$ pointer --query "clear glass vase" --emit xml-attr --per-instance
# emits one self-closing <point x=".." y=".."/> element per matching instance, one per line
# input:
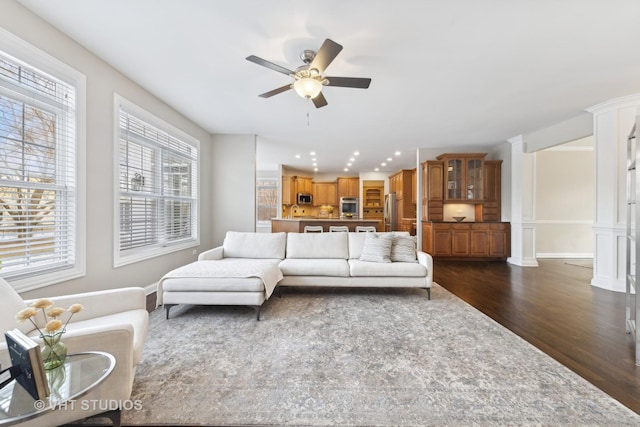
<point x="54" y="351"/>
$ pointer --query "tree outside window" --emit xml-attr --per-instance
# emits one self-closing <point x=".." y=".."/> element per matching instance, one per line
<point x="267" y="199"/>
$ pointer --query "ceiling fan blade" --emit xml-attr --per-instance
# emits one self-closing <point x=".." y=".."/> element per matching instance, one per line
<point x="325" y="55"/>
<point x="319" y="101"/>
<point x="275" y="91"/>
<point x="265" y="63"/>
<point x="356" y="82"/>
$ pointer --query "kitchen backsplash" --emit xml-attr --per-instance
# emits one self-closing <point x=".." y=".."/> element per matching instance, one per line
<point x="317" y="211"/>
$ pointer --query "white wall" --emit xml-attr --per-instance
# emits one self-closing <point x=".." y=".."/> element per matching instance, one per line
<point x="102" y="82"/>
<point x="233" y="167"/>
<point x="572" y="129"/>
<point x="565" y="197"/>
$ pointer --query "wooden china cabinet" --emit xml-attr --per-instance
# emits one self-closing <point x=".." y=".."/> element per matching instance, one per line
<point x="469" y="182"/>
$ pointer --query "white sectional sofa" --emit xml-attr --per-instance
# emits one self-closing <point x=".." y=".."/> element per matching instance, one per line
<point x="300" y="259"/>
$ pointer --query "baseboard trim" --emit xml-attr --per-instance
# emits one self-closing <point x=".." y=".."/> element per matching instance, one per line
<point x="151" y="289"/>
<point x="582" y="255"/>
<point x="522" y="262"/>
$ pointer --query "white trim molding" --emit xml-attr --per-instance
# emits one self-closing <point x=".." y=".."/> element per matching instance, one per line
<point x="523" y="191"/>
<point x="612" y="121"/>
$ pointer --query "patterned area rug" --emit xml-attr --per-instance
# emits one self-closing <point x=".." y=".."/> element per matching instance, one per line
<point x="356" y="357"/>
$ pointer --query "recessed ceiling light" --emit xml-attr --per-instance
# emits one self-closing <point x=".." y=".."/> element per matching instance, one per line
<point x="297" y="156"/>
<point x="376" y="169"/>
<point x="346" y="169"/>
<point x="389" y="159"/>
<point x="383" y="164"/>
<point x="397" y="153"/>
<point x="315" y="169"/>
<point x="348" y="164"/>
<point x="356" y="153"/>
<point x="315" y="164"/>
<point x="314" y="160"/>
<point x="313" y="153"/>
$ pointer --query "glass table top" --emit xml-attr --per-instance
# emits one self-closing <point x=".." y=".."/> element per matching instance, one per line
<point x="79" y="374"/>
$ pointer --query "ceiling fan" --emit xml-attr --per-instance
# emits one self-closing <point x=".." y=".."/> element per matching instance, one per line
<point x="308" y="77"/>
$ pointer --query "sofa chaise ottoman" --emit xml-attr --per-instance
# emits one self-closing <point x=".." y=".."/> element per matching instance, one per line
<point x="243" y="271"/>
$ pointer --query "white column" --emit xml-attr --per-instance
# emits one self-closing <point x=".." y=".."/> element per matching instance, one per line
<point x="612" y="122"/>
<point x="523" y="226"/>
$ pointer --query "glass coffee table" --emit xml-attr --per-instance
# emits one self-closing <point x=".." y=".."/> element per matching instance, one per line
<point x="80" y="373"/>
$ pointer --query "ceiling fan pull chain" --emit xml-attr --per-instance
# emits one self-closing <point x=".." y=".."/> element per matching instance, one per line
<point x="308" y="102"/>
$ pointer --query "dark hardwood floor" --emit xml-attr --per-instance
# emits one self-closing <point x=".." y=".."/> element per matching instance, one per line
<point x="555" y="308"/>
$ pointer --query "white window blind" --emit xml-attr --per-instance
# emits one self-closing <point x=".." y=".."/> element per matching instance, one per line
<point x="38" y="191"/>
<point x="158" y="177"/>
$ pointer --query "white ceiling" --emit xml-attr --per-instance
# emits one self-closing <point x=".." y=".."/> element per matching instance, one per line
<point x="444" y="74"/>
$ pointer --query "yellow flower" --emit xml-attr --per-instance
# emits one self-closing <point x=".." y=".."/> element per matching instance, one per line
<point x="53" y="325"/>
<point x="42" y="303"/>
<point x="25" y="314"/>
<point x="55" y="312"/>
<point x="75" y="308"/>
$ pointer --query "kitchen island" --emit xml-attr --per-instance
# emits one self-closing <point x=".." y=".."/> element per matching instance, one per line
<point x="296" y="225"/>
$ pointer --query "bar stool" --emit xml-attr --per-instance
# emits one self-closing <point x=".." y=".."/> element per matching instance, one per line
<point x="313" y="229"/>
<point x="338" y="228"/>
<point x="360" y="228"/>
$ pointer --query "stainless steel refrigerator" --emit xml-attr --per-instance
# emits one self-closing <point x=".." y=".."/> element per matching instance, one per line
<point x="390" y="212"/>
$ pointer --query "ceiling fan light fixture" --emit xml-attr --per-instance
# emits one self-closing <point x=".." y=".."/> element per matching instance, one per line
<point x="307" y="87"/>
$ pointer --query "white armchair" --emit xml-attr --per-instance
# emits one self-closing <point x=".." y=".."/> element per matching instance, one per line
<point x="113" y="321"/>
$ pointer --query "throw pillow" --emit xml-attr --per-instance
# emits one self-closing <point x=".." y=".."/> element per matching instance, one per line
<point x="403" y="249"/>
<point x="377" y="247"/>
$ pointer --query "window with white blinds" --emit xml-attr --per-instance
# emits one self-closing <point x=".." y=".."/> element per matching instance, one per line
<point x="157" y="186"/>
<point x="40" y="228"/>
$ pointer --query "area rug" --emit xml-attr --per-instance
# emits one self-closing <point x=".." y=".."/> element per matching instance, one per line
<point x="334" y="356"/>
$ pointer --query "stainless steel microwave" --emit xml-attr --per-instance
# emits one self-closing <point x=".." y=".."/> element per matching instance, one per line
<point x="304" y="199"/>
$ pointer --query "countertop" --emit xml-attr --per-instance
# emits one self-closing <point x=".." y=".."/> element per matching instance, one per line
<point x="297" y="224"/>
<point x="308" y="218"/>
<point x="466" y="222"/>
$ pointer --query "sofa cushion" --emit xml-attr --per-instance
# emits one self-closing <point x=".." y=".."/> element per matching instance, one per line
<point x="377" y="247"/>
<point x="254" y="245"/>
<point x="356" y="242"/>
<point x="317" y="245"/>
<point x="315" y="267"/>
<point x="359" y="268"/>
<point x="403" y="249"/>
<point x="213" y="284"/>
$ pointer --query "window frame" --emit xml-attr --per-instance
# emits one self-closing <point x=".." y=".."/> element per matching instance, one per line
<point x="130" y="256"/>
<point x="40" y="60"/>
<point x="265" y="176"/>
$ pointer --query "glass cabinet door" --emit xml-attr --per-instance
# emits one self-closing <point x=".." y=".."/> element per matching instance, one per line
<point x="454" y="179"/>
<point x="474" y="179"/>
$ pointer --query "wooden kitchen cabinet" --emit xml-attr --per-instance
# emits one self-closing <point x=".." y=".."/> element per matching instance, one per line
<point x="288" y="191"/>
<point x="491" y="203"/>
<point x="303" y="184"/>
<point x="433" y="190"/>
<point x="292" y="185"/>
<point x="491" y="240"/>
<point x="373" y="199"/>
<point x="400" y="183"/>
<point x="408" y="225"/>
<point x="471" y="240"/>
<point x="414" y="185"/>
<point x="463" y="176"/>
<point x="325" y="193"/>
<point x="348" y="187"/>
